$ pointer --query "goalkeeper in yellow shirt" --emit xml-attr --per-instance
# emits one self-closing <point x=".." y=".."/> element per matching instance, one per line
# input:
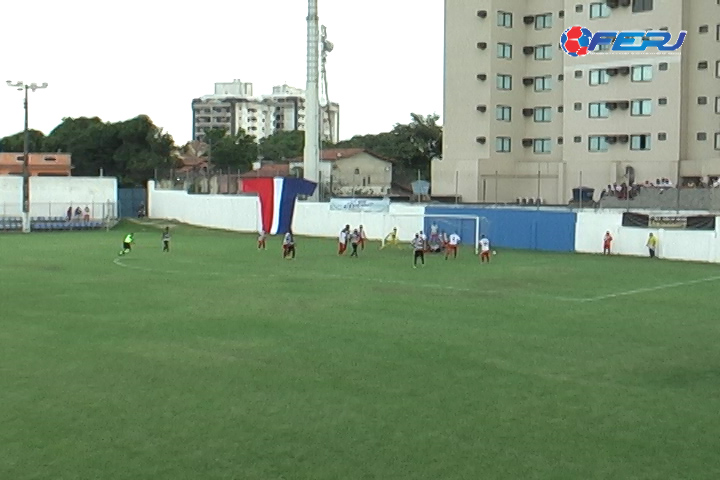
<point x="391" y="239"/>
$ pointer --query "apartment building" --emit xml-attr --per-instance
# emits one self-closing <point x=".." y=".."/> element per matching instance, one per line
<point x="233" y="106"/>
<point x="524" y="120"/>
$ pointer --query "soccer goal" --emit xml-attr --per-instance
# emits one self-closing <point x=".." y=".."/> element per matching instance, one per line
<point x="468" y="227"/>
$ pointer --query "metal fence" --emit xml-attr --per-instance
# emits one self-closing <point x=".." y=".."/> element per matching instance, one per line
<point x="100" y="211"/>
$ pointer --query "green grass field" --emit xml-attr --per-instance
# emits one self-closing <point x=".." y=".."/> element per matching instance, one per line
<point x="221" y="362"/>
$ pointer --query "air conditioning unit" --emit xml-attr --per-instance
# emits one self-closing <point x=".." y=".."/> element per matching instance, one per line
<point x="624" y="138"/>
<point x="527" y="81"/>
<point x="612" y="71"/>
<point x="482" y="45"/>
<point x="481" y="108"/>
<point x="527" y="142"/>
<point x="480" y="140"/>
<point x="611" y="105"/>
<point x="482" y="77"/>
<point x="611" y="139"/>
<point x="612" y="3"/>
<point x="528" y="19"/>
<point x="624" y="105"/>
<point x="624" y="70"/>
<point x="625" y="3"/>
<point x="482" y="13"/>
<point x="527" y="112"/>
<point x="528" y="50"/>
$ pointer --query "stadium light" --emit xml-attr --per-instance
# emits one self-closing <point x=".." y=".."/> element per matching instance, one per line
<point x="22" y="86"/>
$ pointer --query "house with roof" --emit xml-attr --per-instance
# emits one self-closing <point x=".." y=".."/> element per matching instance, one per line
<point x="343" y="172"/>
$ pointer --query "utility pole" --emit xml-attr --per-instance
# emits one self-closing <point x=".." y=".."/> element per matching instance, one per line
<point x="22" y="86"/>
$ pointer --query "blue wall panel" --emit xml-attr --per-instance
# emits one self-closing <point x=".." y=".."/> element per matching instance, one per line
<point x="510" y="228"/>
<point x="129" y="201"/>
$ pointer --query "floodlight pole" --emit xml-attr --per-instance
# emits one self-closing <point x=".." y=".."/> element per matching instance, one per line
<point x="311" y="155"/>
<point x="21" y="86"/>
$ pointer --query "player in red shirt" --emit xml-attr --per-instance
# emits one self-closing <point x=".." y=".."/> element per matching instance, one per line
<point x="343" y="239"/>
<point x="363" y="237"/>
<point x="607" y="243"/>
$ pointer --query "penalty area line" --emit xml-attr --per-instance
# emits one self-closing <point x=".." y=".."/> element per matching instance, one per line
<point x="637" y="291"/>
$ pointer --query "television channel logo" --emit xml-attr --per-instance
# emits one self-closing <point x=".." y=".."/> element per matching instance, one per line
<point x="578" y="41"/>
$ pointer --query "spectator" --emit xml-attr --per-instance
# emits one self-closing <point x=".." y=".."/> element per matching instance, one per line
<point x="78" y="214"/>
<point x="86" y="217"/>
<point x="69" y="213"/>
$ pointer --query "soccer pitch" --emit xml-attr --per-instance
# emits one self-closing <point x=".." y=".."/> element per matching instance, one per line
<point x="218" y="361"/>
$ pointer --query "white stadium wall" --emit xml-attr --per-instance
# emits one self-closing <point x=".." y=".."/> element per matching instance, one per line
<point x="51" y="196"/>
<point x="689" y="245"/>
<point x="241" y="213"/>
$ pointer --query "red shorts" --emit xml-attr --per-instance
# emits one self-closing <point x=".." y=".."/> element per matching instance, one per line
<point x="606" y="246"/>
<point x="485" y="253"/>
<point x="451" y="248"/>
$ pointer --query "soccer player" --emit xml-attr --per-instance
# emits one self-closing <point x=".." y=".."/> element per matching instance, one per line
<point x="289" y="245"/>
<point x="355" y="240"/>
<point x="607" y="242"/>
<point x="261" y="239"/>
<point x="343" y="239"/>
<point x="166" y="240"/>
<point x="434" y="232"/>
<point x="484" y="249"/>
<point x="391" y="239"/>
<point x="127" y="243"/>
<point x="419" y="250"/>
<point x="452" y="246"/>
<point x="652" y="245"/>
<point x="363" y="237"/>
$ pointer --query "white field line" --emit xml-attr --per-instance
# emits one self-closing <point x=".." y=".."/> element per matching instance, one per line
<point x="666" y="286"/>
<point x="432" y="286"/>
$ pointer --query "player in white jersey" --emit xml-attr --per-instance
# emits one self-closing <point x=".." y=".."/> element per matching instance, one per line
<point x="484" y="249"/>
<point x="363" y="237"/>
<point x="418" y="245"/>
<point x="452" y="246"/>
<point x="261" y="239"/>
<point x="434" y="232"/>
<point x="289" y="245"/>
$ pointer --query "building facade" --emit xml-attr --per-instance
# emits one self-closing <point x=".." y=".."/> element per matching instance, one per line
<point x="39" y="164"/>
<point x="233" y="107"/>
<point x="524" y="120"/>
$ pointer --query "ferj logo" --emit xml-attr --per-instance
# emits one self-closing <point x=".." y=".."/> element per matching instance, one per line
<point x="578" y="41"/>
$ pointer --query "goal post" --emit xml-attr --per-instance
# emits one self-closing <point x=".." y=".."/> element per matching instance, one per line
<point x="468" y="227"/>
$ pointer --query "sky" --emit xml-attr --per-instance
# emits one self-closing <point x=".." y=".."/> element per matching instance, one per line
<point x="153" y="57"/>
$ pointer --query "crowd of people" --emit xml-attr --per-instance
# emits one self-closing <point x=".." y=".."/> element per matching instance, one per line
<point x="623" y="190"/>
<point x="78" y="214"/>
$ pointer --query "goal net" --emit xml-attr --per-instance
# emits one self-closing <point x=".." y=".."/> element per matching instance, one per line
<point x="468" y="227"/>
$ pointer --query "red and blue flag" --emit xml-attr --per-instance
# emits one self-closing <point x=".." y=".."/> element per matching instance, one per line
<point x="277" y="200"/>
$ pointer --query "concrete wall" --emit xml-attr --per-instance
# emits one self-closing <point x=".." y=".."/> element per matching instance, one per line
<point x="51" y="196"/>
<point x="241" y="213"/>
<point x="691" y="245"/>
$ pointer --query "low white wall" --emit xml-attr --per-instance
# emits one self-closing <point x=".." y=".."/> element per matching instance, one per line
<point x="51" y="196"/>
<point x="698" y="246"/>
<point x="241" y="213"/>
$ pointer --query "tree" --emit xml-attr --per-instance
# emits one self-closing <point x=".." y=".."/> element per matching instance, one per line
<point x="16" y="143"/>
<point x="283" y="145"/>
<point x="231" y="151"/>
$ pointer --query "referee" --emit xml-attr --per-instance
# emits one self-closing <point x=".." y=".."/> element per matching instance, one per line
<point x="418" y="244"/>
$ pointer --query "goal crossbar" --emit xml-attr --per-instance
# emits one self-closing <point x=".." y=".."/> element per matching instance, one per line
<point x="475" y="218"/>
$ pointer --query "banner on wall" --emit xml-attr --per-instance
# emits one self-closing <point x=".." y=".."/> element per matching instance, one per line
<point x="360" y="205"/>
<point x="697" y="222"/>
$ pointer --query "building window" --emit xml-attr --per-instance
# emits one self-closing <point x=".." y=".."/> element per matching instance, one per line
<point x="541" y="145"/>
<point x="717" y="141"/>
<point x="543" y="21"/>
<point x="663" y="66"/>
<point x="701" y="136"/>
<point x="577" y="106"/>
<point x="717" y="69"/>
<point x="543" y="52"/>
<point x="642" y="73"/>
<point x="598" y="110"/>
<point x="662" y="136"/>
<point x="662" y="101"/>
<point x="702" y="100"/>
<point x="502" y="144"/>
<point x="642" y="5"/>
<point x="578" y="73"/>
<point x="561" y="109"/>
<point x="599" y="77"/>
<point x="717" y="104"/>
<point x="543" y="84"/>
<point x="641" y="108"/>
<point x="542" y="114"/>
<point x="717" y="33"/>
<point x="578" y="8"/>
<point x="503" y="113"/>
<point x="704" y="29"/>
<point x="599" y="10"/>
<point x="639" y="142"/>
<point x="597" y="143"/>
<point x="702" y="65"/>
<point x="504" y="19"/>
<point x="504" y="50"/>
<point x="504" y="82"/>
<point x="577" y="139"/>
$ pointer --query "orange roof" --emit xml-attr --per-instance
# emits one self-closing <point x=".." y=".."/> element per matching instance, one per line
<point x="270" y="170"/>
